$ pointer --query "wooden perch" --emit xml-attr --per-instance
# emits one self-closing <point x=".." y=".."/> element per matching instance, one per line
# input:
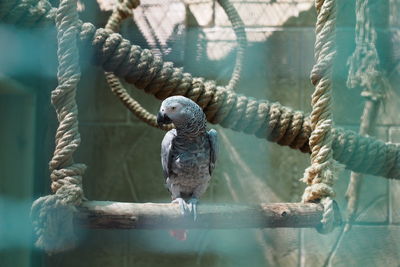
<point x="119" y="215"/>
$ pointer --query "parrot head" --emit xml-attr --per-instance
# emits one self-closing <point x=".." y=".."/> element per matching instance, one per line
<point x="180" y="111"/>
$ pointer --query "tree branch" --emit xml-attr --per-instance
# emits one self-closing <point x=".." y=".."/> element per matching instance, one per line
<point x="119" y="215"/>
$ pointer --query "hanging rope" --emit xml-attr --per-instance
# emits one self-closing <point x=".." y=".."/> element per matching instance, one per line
<point x="241" y="39"/>
<point x="53" y="215"/>
<point x="321" y="174"/>
<point x="364" y="72"/>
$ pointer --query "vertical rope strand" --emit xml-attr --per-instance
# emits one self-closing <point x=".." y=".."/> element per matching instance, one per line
<point x="320" y="175"/>
<point x="241" y="40"/>
<point x="53" y="215"/>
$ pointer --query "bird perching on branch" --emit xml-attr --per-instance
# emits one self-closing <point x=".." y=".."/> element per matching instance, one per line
<point x="188" y="153"/>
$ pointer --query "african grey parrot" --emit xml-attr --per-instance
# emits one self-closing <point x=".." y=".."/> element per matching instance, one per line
<point x="188" y="152"/>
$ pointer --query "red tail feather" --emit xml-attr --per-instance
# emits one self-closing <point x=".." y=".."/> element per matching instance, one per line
<point x="180" y="234"/>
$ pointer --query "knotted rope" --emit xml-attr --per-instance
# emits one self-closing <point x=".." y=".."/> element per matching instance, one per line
<point x="321" y="174"/>
<point x="53" y="215"/>
<point x="364" y="72"/>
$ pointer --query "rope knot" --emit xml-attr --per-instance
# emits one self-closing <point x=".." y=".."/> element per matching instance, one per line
<point x="316" y="192"/>
<point x="71" y="194"/>
<point x="71" y="175"/>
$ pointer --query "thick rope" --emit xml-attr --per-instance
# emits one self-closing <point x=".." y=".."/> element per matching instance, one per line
<point x="364" y="72"/>
<point x="321" y="174"/>
<point x="272" y="121"/>
<point x="53" y="215"/>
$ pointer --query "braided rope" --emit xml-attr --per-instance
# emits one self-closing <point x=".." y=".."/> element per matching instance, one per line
<point x="259" y="117"/>
<point x="53" y="215"/>
<point x="320" y="175"/>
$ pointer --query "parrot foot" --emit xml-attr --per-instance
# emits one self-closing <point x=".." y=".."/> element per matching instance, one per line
<point x="188" y="208"/>
<point x="192" y="206"/>
<point x="182" y="205"/>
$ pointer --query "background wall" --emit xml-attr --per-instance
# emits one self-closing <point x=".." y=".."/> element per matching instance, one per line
<point x="122" y="153"/>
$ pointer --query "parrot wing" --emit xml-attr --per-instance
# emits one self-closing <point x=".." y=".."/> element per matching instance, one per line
<point x="166" y="155"/>
<point x="214" y="148"/>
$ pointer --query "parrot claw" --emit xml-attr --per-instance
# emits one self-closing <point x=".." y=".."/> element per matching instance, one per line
<point x="192" y="205"/>
<point x="185" y="210"/>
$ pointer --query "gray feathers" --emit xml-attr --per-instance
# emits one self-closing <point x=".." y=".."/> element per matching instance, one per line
<point x="166" y="148"/>
<point x="189" y="152"/>
<point x="214" y="148"/>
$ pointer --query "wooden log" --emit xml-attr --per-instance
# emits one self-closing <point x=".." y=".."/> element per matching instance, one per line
<point x="120" y="215"/>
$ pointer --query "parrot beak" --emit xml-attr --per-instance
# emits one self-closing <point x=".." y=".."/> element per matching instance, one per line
<point x="162" y="119"/>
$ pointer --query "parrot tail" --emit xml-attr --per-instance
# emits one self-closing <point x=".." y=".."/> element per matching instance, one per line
<point x="180" y="234"/>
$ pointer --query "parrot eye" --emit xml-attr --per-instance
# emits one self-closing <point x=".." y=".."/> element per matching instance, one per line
<point x="173" y="108"/>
